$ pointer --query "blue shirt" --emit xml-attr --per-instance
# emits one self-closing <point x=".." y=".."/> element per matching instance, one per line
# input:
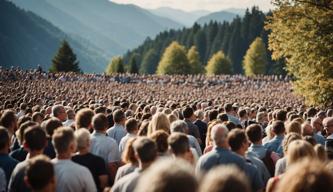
<point x="319" y="139"/>
<point x="219" y="156"/>
<point x="105" y="147"/>
<point x="275" y="145"/>
<point x="117" y="132"/>
<point x="8" y="164"/>
<point x="234" y="119"/>
<point x="257" y="182"/>
<point x="259" y="150"/>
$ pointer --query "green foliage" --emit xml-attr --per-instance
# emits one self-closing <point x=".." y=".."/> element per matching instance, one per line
<point x="302" y="32"/>
<point x="219" y="64"/>
<point x="133" y="68"/>
<point x="255" y="61"/>
<point x="65" y="60"/>
<point x="116" y="66"/>
<point x="174" y="60"/>
<point x="194" y="60"/>
<point x="149" y="62"/>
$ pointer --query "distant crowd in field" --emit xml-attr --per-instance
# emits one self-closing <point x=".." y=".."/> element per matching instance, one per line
<point x="146" y="133"/>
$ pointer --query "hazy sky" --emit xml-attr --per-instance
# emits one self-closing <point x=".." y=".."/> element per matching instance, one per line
<point x="190" y="5"/>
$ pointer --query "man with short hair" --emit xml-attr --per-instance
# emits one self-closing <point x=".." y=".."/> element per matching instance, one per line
<point x="117" y="132"/>
<point x="132" y="130"/>
<point x="59" y="112"/>
<point x="180" y="147"/>
<point x="94" y="163"/>
<point x="193" y="130"/>
<point x="220" y="155"/>
<point x="70" y="118"/>
<point x="40" y="174"/>
<point x="255" y="169"/>
<point x="9" y="121"/>
<point x="317" y="126"/>
<point x="146" y="152"/>
<point x="34" y="142"/>
<point x="328" y="126"/>
<point x="243" y="117"/>
<point x="7" y="163"/>
<point x="199" y="114"/>
<point x="83" y="118"/>
<point x="70" y="176"/>
<point x="229" y="110"/>
<point x="104" y="146"/>
<point x="275" y="144"/>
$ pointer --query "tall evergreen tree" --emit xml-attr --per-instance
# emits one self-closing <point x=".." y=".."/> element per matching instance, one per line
<point x="219" y="64"/>
<point x="174" y="60"/>
<point x="133" y="68"/>
<point x="65" y="60"/>
<point x="194" y="60"/>
<point x="255" y="61"/>
<point x="149" y="62"/>
<point x="115" y="66"/>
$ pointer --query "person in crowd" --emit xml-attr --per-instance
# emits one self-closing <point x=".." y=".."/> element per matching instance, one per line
<point x="59" y="111"/>
<point x="180" y="147"/>
<point x="70" y="118"/>
<point x="199" y="114"/>
<point x="190" y="118"/>
<point x="70" y="176"/>
<point x="94" y="163"/>
<point x="160" y="137"/>
<point x="275" y="144"/>
<point x="83" y="119"/>
<point x="132" y="128"/>
<point x="128" y="157"/>
<point x="317" y="126"/>
<point x="118" y="131"/>
<point x="34" y="143"/>
<point x="50" y="126"/>
<point x="146" y="152"/>
<point x="231" y="114"/>
<point x="159" y="121"/>
<point x="9" y="121"/>
<point x="328" y="126"/>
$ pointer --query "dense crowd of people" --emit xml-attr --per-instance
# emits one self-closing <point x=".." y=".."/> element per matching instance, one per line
<point x="145" y="133"/>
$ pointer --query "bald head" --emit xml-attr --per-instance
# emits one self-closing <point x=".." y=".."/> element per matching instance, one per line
<point x="328" y="125"/>
<point x="307" y="129"/>
<point x="219" y="135"/>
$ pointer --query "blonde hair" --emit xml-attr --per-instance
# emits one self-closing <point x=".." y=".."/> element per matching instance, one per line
<point x="321" y="153"/>
<point x="172" y="118"/>
<point x="159" y="122"/>
<point x="128" y="155"/>
<point x="294" y="127"/>
<point x="82" y="137"/>
<point x="288" y="139"/>
<point x="299" y="149"/>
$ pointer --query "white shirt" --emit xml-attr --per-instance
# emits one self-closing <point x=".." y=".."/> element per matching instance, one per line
<point x="72" y="177"/>
<point x="105" y="147"/>
<point x="123" y="142"/>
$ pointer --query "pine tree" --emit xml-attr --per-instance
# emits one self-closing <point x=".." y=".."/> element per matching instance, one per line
<point x="65" y="60"/>
<point x="193" y="58"/>
<point x="115" y="66"/>
<point x="133" y="68"/>
<point x="174" y="60"/>
<point x="219" y="64"/>
<point x="149" y="62"/>
<point x="255" y="61"/>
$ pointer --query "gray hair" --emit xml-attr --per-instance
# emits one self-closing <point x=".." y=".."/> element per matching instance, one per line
<point x="56" y="110"/>
<point x="82" y="137"/>
<point x="216" y="137"/>
<point x="178" y="126"/>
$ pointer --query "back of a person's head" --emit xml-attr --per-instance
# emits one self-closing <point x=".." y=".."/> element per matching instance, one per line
<point x="188" y="112"/>
<point x="236" y="138"/>
<point x="128" y="155"/>
<point x="131" y="125"/>
<point x="40" y="173"/>
<point x="218" y="134"/>
<point x="56" y="110"/>
<point x="118" y="116"/>
<point x="160" y="137"/>
<point x="242" y="113"/>
<point x="298" y="150"/>
<point x="288" y="139"/>
<point x="178" y="126"/>
<point x="254" y="132"/>
<point x="51" y="125"/>
<point x="281" y="115"/>
<point x="145" y="149"/>
<point x="35" y="138"/>
<point x="278" y="127"/>
<point x="168" y="175"/>
<point x="213" y="114"/>
<point x="83" y="118"/>
<point x="8" y="117"/>
<point x="223" y="117"/>
<point x="82" y="138"/>
<point x="225" y="179"/>
<point x="100" y="122"/>
<point x="228" y="107"/>
<point x="295" y="127"/>
<point x="159" y="122"/>
<point x="307" y="175"/>
<point x="311" y="112"/>
<point x="179" y="143"/>
<point x="4" y="138"/>
<point x="62" y="138"/>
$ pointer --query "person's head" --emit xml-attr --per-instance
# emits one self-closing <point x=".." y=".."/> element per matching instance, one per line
<point x="311" y="112"/>
<point x="281" y="115"/>
<point x="37" y="117"/>
<point x="329" y="113"/>
<point x="9" y="121"/>
<point x="213" y="115"/>
<point x="294" y="127"/>
<point x="159" y="122"/>
<point x="179" y="144"/>
<point x="288" y="139"/>
<point x="168" y="175"/>
<point x="160" y="137"/>
<point x="262" y="118"/>
<point x="278" y="127"/>
<point x="320" y="152"/>
<point x="242" y="114"/>
<point x="100" y="122"/>
<point x="254" y="133"/>
<point x="35" y="139"/>
<point x="307" y="129"/>
<point x="51" y="124"/>
<point x="82" y="137"/>
<point x="23" y="127"/>
<point x="317" y="124"/>
<point x="225" y="179"/>
<point x="328" y="125"/>
<point x="64" y="142"/>
<point x="298" y="150"/>
<point x="83" y="118"/>
<point x="70" y="114"/>
<point x="40" y="175"/>
<point x="188" y="113"/>
<point x="131" y="126"/>
<point x="4" y="140"/>
<point x="145" y="150"/>
<point x="172" y="117"/>
<point x="228" y="108"/>
<point x="128" y="155"/>
<point x="179" y="126"/>
<point x="223" y="117"/>
<point x="307" y="175"/>
<point x="199" y="114"/>
<point x="119" y="117"/>
<point x="219" y="135"/>
<point x="238" y="141"/>
<point x="59" y="112"/>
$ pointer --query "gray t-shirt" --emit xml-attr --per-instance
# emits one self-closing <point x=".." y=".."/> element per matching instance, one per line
<point x="16" y="182"/>
<point x="280" y="166"/>
<point x="124" y="170"/>
<point x="127" y="183"/>
<point x="3" y="181"/>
